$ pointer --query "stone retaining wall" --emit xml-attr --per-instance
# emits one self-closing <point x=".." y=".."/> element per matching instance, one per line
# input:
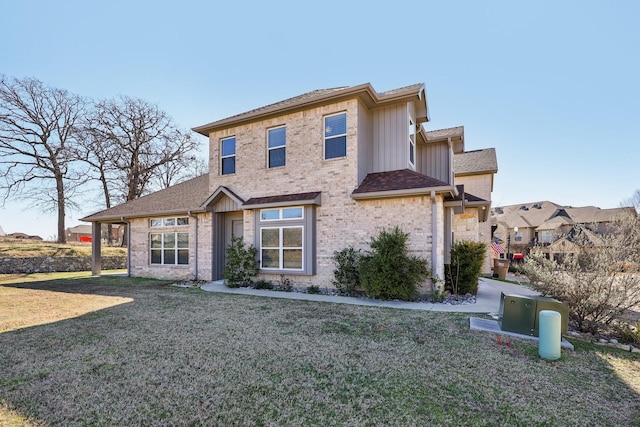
<point x="53" y="264"/>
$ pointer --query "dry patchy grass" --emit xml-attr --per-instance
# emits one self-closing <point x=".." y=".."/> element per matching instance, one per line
<point x="21" y="248"/>
<point x="179" y="356"/>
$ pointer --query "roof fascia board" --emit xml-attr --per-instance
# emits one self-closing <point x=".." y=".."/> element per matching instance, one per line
<point x="222" y="190"/>
<point x="450" y="190"/>
<point x="315" y="201"/>
<point x="155" y="214"/>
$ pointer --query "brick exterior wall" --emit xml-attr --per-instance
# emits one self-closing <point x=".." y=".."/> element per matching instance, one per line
<point x="141" y="256"/>
<point x="466" y="226"/>
<point x="340" y="220"/>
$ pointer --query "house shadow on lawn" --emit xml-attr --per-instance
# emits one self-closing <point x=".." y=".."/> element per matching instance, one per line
<point x="38" y="302"/>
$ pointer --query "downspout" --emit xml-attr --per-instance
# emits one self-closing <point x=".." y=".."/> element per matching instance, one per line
<point x="195" y="274"/>
<point x="128" y="245"/>
<point x="434" y="235"/>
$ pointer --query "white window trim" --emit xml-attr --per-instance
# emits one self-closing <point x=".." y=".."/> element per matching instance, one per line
<point x="325" y="137"/>
<point x="412" y="143"/>
<point x="175" y="249"/>
<point x="277" y="147"/>
<point x="280" y="214"/>
<point x="169" y="217"/>
<point x="235" y="150"/>
<point x="282" y="248"/>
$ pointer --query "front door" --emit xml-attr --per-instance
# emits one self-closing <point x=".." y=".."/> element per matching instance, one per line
<point x="233" y="227"/>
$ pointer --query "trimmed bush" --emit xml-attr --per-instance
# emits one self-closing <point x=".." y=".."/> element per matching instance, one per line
<point x="462" y="275"/>
<point x="241" y="265"/>
<point x="347" y="272"/>
<point x="388" y="271"/>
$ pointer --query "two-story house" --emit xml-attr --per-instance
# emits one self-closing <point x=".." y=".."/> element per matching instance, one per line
<point x="301" y="179"/>
<point x="550" y="227"/>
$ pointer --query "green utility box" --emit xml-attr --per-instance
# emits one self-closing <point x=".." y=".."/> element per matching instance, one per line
<point x="520" y="313"/>
<point x="545" y="303"/>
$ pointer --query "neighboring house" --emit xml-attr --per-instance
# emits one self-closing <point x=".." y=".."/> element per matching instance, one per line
<point x="549" y="226"/>
<point x="299" y="180"/>
<point x="79" y="233"/>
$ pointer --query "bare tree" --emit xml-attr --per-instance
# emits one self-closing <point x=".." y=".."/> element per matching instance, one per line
<point x="601" y="280"/>
<point x="632" y="201"/>
<point x="37" y="136"/>
<point x="140" y="138"/>
<point x="172" y="173"/>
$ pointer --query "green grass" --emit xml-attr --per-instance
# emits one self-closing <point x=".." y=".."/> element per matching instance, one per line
<point x="162" y="355"/>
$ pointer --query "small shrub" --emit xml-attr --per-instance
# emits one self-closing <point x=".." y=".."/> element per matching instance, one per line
<point x="388" y="271"/>
<point x="347" y="273"/>
<point x="286" y="284"/>
<point x="629" y="333"/>
<point x="263" y="284"/>
<point x="241" y="265"/>
<point x="314" y="289"/>
<point x="464" y="271"/>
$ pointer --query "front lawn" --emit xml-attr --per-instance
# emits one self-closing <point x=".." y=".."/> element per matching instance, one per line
<point x="121" y="352"/>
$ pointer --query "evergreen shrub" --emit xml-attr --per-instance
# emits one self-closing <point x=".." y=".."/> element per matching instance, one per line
<point x="388" y="271"/>
<point x="241" y="265"/>
<point x="462" y="275"/>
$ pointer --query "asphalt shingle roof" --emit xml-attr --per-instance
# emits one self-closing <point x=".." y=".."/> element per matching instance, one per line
<point x="184" y="197"/>
<point x="314" y="96"/>
<point x="476" y="161"/>
<point x="438" y="134"/>
<point x="404" y="179"/>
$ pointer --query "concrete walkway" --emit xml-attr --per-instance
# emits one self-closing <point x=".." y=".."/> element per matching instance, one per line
<point x="487" y="299"/>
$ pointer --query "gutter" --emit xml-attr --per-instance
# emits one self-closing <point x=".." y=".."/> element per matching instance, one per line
<point x="128" y="245"/>
<point x="195" y="274"/>
<point x="451" y="189"/>
<point x="434" y="233"/>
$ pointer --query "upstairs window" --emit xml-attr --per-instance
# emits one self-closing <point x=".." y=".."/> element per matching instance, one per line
<point x="412" y="143"/>
<point x="335" y="136"/>
<point x="228" y="156"/>
<point x="276" y="144"/>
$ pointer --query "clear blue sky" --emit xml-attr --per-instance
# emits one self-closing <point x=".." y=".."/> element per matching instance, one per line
<point x="552" y="85"/>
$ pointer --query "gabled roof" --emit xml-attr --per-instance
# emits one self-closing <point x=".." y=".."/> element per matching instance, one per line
<point x="475" y="162"/>
<point x="398" y="183"/>
<point x="317" y="97"/>
<point x="440" y="134"/>
<point x="546" y="214"/>
<point x="454" y="134"/>
<point x="181" y="198"/>
<point x="312" y="198"/>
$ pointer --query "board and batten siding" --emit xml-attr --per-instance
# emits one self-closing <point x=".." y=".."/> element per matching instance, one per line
<point x="365" y="142"/>
<point x="390" y="138"/>
<point x="434" y="160"/>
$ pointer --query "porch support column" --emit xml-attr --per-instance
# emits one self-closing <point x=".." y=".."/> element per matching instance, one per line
<point x="96" y="248"/>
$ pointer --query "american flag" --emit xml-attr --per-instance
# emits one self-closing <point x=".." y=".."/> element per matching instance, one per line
<point x="497" y="249"/>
